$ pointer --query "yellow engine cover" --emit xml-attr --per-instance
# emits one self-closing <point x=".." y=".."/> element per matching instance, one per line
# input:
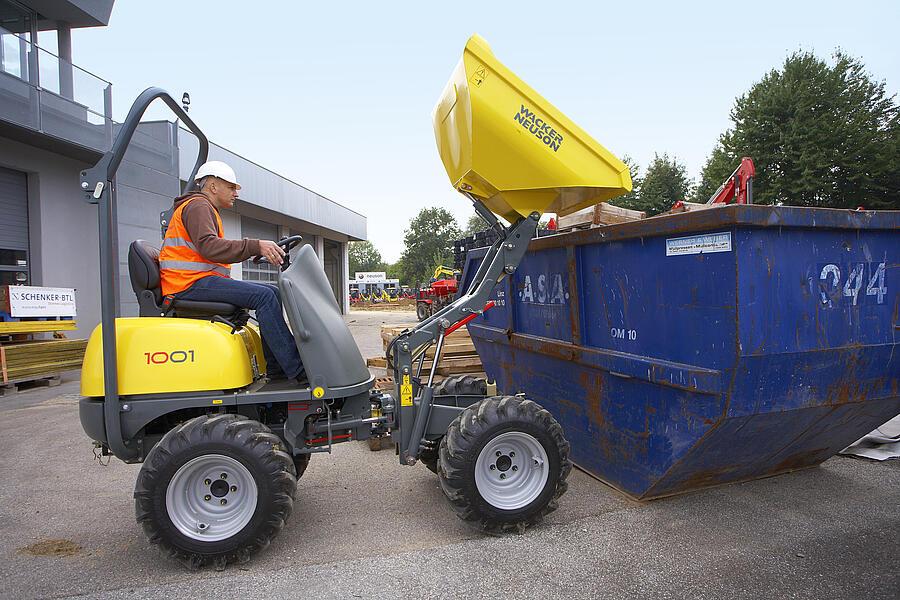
<point x="163" y="355"/>
<point x="504" y="143"/>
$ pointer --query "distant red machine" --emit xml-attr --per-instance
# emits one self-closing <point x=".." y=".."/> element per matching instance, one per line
<point x="438" y="294"/>
<point x="738" y="187"/>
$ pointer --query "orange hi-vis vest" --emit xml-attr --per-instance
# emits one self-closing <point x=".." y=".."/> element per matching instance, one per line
<point x="180" y="265"/>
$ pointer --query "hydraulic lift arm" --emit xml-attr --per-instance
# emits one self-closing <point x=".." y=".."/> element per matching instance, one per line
<point x="414" y="396"/>
<point x="738" y="187"/>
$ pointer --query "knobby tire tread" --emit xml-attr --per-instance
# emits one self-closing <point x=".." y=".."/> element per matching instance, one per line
<point x="266" y="460"/>
<point x="459" y="449"/>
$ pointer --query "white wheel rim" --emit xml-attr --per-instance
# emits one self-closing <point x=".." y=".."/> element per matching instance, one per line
<point x="511" y="470"/>
<point x="211" y="498"/>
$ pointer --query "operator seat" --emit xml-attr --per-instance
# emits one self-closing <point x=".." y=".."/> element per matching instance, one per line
<point x="143" y="268"/>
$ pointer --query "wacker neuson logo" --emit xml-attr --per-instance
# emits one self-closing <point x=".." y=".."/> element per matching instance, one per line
<point x="539" y="127"/>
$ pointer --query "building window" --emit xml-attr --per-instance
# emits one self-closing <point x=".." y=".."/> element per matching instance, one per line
<point x="259" y="230"/>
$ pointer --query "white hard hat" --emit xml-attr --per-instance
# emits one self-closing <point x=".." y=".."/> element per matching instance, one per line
<point x="217" y="168"/>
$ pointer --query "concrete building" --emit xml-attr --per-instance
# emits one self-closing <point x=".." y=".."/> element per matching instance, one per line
<point x="56" y="120"/>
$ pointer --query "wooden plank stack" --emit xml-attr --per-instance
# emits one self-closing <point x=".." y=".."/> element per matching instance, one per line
<point x="457" y="358"/>
<point x="598" y="215"/>
<point x="23" y="360"/>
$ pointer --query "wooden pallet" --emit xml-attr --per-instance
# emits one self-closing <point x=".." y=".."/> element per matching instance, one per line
<point x="600" y="214"/>
<point x="45" y="380"/>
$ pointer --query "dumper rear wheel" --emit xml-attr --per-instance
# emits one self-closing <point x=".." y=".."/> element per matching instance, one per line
<point x="215" y="490"/>
<point x="503" y="463"/>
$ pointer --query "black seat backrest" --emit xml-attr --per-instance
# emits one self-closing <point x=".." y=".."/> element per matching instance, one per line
<point x="143" y="268"/>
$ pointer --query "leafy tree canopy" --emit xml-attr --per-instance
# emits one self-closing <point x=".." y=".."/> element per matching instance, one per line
<point x="665" y="183"/>
<point x="820" y="134"/>
<point x="364" y="256"/>
<point x="429" y="243"/>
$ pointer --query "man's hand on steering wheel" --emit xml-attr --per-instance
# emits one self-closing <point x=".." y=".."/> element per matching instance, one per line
<point x="271" y="251"/>
<point x="276" y="253"/>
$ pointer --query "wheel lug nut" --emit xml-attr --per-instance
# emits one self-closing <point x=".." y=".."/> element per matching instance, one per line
<point x="512" y="454"/>
<point x="493" y="467"/>
<point x="234" y="488"/>
<point x="224" y="475"/>
<point x="208" y="482"/>
<point x="499" y="454"/>
<point x="223" y="501"/>
<point x="515" y="468"/>
<point x="502" y="475"/>
<point x="207" y="497"/>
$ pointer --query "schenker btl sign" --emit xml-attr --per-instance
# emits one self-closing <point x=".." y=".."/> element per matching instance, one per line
<point x="30" y="301"/>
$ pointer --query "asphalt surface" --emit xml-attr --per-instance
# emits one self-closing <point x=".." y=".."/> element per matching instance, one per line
<point x="363" y="526"/>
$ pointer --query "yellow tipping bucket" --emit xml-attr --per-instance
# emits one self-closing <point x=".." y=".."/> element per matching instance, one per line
<point x="502" y="142"/>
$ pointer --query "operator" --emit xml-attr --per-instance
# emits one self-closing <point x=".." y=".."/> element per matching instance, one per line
<point x="194" y="265"/>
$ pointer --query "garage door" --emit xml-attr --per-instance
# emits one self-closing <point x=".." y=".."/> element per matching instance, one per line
<point x="13" y="227"/>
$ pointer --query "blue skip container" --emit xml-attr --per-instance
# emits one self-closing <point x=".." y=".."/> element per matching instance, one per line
<point x="707" y="347"/>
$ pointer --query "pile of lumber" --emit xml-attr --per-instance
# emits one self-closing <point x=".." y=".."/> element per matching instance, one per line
<point x="19" y="328"/>
<point x="33" y="360"/>
<point x="685" y="206"/>
<point x="597" y="216"/>
<point x="458" y="356"/>
<point x="23" y="359"/>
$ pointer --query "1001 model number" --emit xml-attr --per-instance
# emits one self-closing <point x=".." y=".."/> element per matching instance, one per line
<point x="176" y="356"/>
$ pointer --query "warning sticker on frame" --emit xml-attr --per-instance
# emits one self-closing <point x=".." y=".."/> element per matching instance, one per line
<point x="406" y="398"/>
<point x="699" y="244"/>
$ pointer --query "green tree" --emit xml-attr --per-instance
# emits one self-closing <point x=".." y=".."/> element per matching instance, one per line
<point x="429" y="243"/>
<point x="394" y="271"/>
<point x="364" y="256"/>
<point x="820" y="135"/>
<point x="665" y="183"/>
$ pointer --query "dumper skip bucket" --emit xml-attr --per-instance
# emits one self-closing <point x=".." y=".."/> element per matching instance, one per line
<point x="504" y="143"/>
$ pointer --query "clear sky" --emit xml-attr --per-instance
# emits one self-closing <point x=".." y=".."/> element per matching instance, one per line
<point x="338" y="95"/>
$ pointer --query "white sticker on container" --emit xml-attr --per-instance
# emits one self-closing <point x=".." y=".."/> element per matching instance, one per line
<point x="699" y="244"/>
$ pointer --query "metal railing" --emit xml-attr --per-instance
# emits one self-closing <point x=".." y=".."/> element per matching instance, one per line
<point x="44" y="92"/>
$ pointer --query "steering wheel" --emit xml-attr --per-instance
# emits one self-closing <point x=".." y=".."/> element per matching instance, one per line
<point x="286" y="244"/>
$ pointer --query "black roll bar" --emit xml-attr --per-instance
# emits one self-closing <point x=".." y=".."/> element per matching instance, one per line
<point x="98" y="183"/>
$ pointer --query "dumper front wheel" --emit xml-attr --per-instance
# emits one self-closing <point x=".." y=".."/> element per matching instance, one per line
<point x="215" y="490"/>
<point x="503" y="463"/>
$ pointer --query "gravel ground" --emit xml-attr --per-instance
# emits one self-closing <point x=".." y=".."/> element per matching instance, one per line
<point x="363" y="526"/>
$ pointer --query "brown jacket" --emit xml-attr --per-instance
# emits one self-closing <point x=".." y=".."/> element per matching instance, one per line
<point x="199" y="218"/>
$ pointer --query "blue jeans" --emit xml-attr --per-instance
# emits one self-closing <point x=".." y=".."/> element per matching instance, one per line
<point x="279" y="347"/>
